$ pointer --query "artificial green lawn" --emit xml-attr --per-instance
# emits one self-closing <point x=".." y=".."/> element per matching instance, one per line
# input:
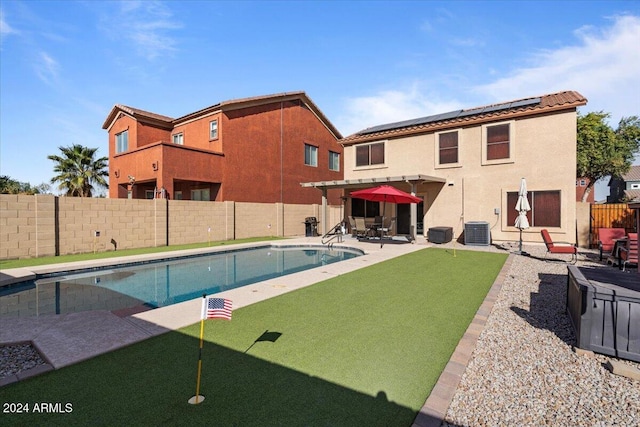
<point x="361" y="349"/>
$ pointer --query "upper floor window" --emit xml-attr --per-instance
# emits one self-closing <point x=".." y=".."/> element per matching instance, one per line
<point x="213" y="129"/>
<point x="310" y="155"/>
<point x="178" y="138"/>
<point x="334" y="161"/>
<point x="122" y="141"/>
<point x="498" y="143"/>
<point x="370" y="154"/>
<point x="448" y="148"/>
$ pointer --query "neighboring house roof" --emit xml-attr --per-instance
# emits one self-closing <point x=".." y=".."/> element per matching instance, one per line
<point x="502" y="111"/>
<point x="633" y="174"/>
<point x="234" y="104"/>
<point x="632" y="195"/>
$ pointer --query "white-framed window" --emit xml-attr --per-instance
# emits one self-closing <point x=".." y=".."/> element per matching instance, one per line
<point x="310" y="155"/>
<point x="178" y="138"/>
<point x="498" y="143"/>
<point x="334" y="161"/>
<point x="447" y="148"/>
<point x="370" y="154"/>
<point x="122" y="141"/>
<point x="213" y="129"/>
<point x="635" y="186"/>
<point x="201" y="194"/>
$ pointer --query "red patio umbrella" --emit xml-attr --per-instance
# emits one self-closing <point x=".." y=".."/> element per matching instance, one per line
<point x="385" y="193"/>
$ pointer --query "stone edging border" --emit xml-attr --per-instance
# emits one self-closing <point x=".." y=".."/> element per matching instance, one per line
<point x="36" y="370"/>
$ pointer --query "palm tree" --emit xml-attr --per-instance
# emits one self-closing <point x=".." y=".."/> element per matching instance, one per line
<point x="78" y="170"/>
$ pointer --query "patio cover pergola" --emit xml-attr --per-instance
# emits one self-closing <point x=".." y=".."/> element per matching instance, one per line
<point x="412" y="180"/>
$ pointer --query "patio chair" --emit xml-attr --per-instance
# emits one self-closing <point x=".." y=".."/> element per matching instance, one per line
<point x="607" y="238"/>
<point x="361" y="227"/>
<point x="629" y="254"/>
<point x="387" y="232"/>
<point x="559" y="247"/>
<point x="352" y="226"/>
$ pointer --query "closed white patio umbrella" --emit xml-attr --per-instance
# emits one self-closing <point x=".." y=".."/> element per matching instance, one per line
<point x="522" y="206"/>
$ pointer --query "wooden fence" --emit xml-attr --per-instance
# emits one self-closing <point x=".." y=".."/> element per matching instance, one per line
<point x="614" y="215"/>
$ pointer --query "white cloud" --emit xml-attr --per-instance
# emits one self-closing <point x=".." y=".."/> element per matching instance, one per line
<point x="391" y="106"/>
<point x="146" y="24"/>
<point x="47" y="68"/>
<point x="5" y="28"/>
<point x="604" y="66"/>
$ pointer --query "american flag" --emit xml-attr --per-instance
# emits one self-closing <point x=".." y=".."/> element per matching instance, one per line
<point x="216" y="308"/>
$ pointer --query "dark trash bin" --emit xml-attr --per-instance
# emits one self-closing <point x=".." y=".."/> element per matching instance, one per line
<point x="310" y="226"/>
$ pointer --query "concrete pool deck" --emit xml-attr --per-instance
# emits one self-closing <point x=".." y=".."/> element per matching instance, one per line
<point x="66" y="339"/>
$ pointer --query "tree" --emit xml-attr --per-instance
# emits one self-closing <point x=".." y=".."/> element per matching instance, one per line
<point x="602" y="151"/>
<point x="78" y="171"/>
<point x="11" y="186"/>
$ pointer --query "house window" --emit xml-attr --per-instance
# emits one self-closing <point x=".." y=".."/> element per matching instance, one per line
<point x="178" y="138"/>
<point x="149" y="194"/>
<point x="545" y="208"/>
<point x="364" y="208"/>
<point x="202" y="194"/>
<point x="334" y="161"/>
<point x="448" y="148"/>
<point x="370" y="154"/>
<point x="177" y="195"/>
<point x="122" y="141"/>
<point x="635" y="186"/>
<point x="213" y="129"/>
<point x="498" y="142"/>
<point x="310" y="155"/>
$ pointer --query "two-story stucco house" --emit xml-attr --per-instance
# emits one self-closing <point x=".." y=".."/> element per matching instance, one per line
<point x="246" y="150"/>
<point x="467" y="165"/>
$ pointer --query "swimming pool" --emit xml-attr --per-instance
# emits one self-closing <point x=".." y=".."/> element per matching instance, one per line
<point x="158" y="284"/>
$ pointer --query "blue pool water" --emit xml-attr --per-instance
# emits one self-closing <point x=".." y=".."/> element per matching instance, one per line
<point x="160" y="284"/>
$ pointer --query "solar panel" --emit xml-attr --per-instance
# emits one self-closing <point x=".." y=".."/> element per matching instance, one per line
<point x="525" y="102"/>
<point x="492" y="108"/>
<point x="450" y="115"/>
<point x="465" y="113"/>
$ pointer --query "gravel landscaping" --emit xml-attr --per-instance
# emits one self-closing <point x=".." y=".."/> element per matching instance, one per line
<point x="524" y="370"/>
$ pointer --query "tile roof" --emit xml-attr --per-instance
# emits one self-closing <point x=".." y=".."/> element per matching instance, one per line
<point x="633" y="174"/>
<point x="505" y="110"/>
<point x="633" y="195"/>
<point x="233" y="104"/>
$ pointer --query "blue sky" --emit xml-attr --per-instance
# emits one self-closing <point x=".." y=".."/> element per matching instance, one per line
<point x="64" y="64"/>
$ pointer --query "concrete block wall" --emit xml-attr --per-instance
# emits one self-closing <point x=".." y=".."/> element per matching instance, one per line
<point x="294" y="216"/>
<point x="198" y="222"/>
<point x="257" y="219"/>
<point x="121" y="223"/>
<point x="27" y="226"/>
<point x="45" y="225"/>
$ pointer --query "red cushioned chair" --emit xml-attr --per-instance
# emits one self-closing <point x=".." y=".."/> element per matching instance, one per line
<point x="607" y="238"/>
<point x="629" y="254"/>
<point x="559" y="247"/>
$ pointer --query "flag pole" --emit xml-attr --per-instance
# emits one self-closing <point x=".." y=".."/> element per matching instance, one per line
<point x="197" y="398"/>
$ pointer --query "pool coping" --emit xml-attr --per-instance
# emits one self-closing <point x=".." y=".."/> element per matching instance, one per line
<point x="164" y="319"/>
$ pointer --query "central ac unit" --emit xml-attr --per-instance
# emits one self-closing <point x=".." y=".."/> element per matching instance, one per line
<point x="477" y="233"/>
